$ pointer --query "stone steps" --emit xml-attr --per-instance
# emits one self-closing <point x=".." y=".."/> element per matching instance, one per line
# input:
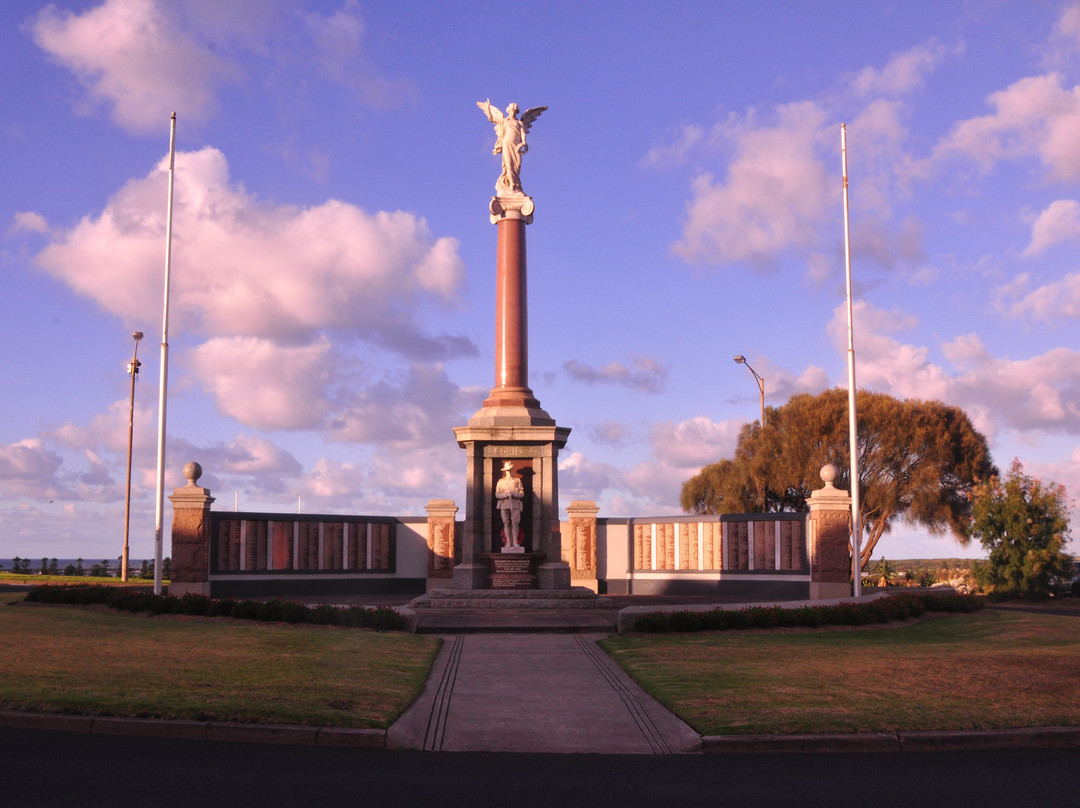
<point x="574" y="598"/>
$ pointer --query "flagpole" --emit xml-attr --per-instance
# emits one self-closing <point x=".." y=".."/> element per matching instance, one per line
<point x="853" y="418"/>
<point x="163" y="387"/>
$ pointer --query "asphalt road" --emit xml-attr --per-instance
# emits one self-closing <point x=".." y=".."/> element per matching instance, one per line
<point x="73" y="770"/>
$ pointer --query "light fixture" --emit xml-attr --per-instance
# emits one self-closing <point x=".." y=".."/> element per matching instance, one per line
<point x="133" y="371"/>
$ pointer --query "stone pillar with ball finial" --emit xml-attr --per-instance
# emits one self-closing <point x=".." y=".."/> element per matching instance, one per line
<point x="829" y="542"/>
<point x="191" y="535"/>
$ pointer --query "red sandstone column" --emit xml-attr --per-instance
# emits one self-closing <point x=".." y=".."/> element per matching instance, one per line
<point x="511" y="307"/>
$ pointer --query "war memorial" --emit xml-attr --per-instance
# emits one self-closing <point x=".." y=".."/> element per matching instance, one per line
<point x="511" y="548"/>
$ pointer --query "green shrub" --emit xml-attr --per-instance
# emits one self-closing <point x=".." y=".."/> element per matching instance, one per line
<point x="684" y="621"/>
<point x="129" y="600"/>
<point x="293" y="612"/>
<point x="384" y="619"/>
<point x="653" y="623"/>
<point x="222" y="608"/>
<point x="882" y="610"/>
<point x="193" y="604"/>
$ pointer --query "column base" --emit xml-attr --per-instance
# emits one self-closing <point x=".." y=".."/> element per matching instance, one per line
<point x="554" y="575"/>
<point x="470" y="576"/>
<point x="829" y="591"/>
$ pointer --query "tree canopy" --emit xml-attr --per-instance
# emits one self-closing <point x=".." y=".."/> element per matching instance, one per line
<point x="918" y="462"/>
<point x="1022" y="523"/>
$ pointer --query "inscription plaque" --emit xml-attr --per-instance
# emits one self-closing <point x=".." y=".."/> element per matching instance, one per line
<point x="516" y="571"/>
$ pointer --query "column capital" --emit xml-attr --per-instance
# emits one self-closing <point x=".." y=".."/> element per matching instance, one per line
<point x="503" y="208"/>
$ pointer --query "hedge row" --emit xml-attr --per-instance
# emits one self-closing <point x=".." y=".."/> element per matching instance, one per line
<point x="896" y="607"/>
<point x="279" y="611"/>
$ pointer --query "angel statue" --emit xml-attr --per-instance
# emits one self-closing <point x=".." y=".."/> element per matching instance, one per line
<point x="510" y="134"/>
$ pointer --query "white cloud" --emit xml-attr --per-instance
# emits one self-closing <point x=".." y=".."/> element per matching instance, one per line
<point x="646" y="374"/>
<point x="277" y="306"/>
<point x="142" y="59"/>
<point x="29" y="469"/>
<point x="133" y="57"/>
<point x="1066" y="473"/>
<point x="1058" y="222"/>
<point x="1038" y="393"/>
<point x="1036" y="116"/>
<point x="782" y="385"/>
<point x="688" y="445"/>
<point x="1068" y="25"/>
<point x="30" y="222"/>
<point x="687" y="140"/>
<point x="265" y="385"/>
<point x="904" y="72"/>
<point x="242" y="268"/>
<point x="1051" y="302"/>
<point x="775" y="192"/>
<point x="583" y="479"/>
<point x="331" y="480"/>
<point x="337" y="51"/>
<point x="609" y="433"/>
<point x="407" y="411"/>
<point x="779" y="191"/>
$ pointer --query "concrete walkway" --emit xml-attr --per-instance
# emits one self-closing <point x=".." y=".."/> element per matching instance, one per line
<point x="536" y="693"/>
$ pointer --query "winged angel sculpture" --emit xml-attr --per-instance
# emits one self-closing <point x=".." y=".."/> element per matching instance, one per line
<point x="510" y="132"/>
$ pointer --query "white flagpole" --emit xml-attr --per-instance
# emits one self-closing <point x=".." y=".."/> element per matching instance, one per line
<point x="163" y="391"/>
<point x="853" y="418"/>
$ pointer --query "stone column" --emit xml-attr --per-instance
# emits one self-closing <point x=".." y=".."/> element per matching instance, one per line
<point x="511" y="426"/>
<point x="191" y="536"/>
<point x="440" y="540"/>
<point x="829" y="539"/>
<point x="581" y="552"/>
<point x="511" y="215"/>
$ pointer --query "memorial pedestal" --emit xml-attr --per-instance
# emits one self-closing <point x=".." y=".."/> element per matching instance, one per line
<point x="511" y="570"/>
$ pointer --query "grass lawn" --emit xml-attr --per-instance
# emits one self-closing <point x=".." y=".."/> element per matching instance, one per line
<point x="76" y="660"/>
<point x="989" y="670"/>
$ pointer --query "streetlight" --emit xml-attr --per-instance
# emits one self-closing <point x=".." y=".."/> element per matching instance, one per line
<point x="133" y="371"/>
<point x="740" y="359"/>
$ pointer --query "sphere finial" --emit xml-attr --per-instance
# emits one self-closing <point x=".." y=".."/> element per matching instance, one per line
<point x="192" y="472"/>
<point x="829" y="473"/>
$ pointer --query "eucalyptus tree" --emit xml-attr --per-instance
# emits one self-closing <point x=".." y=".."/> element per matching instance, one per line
<point x="918" y="463"/>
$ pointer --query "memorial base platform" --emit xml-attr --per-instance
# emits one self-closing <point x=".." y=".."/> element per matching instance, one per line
<point x="577" y="597"/>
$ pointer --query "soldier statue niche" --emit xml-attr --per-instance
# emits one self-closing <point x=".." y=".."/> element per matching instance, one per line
<point x="509" y="493"/>
<point x="510" y="132"/>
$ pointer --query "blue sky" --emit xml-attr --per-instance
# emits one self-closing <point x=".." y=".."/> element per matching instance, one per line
<point x="331" y="315"/>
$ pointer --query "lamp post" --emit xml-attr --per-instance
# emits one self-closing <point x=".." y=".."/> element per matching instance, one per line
<point x="741" y="360"/>
<point x="133" y="371"/>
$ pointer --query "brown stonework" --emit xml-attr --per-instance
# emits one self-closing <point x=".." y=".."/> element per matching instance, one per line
<point x="581" y="550"/>
<point x="191" y="536"/>
<point x="440" y="538"/>
<point x="828" y="542"/>
<point x="511" y="319"/>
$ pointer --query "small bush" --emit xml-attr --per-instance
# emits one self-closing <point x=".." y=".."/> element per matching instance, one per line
<point x="294" y="612"/>
<point x="124" y="599"/>
<point x="222" y="608"/>
<point x="684" y="621"/>
<point x="765" y="617"/>
<point x="654" y="623"/>
<point x="193" y="604"/>
<point x="384" y="619"/>
<point x="246" y="610"/>
<point x="882" y="610"/>
<point x="324" y="615"/>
